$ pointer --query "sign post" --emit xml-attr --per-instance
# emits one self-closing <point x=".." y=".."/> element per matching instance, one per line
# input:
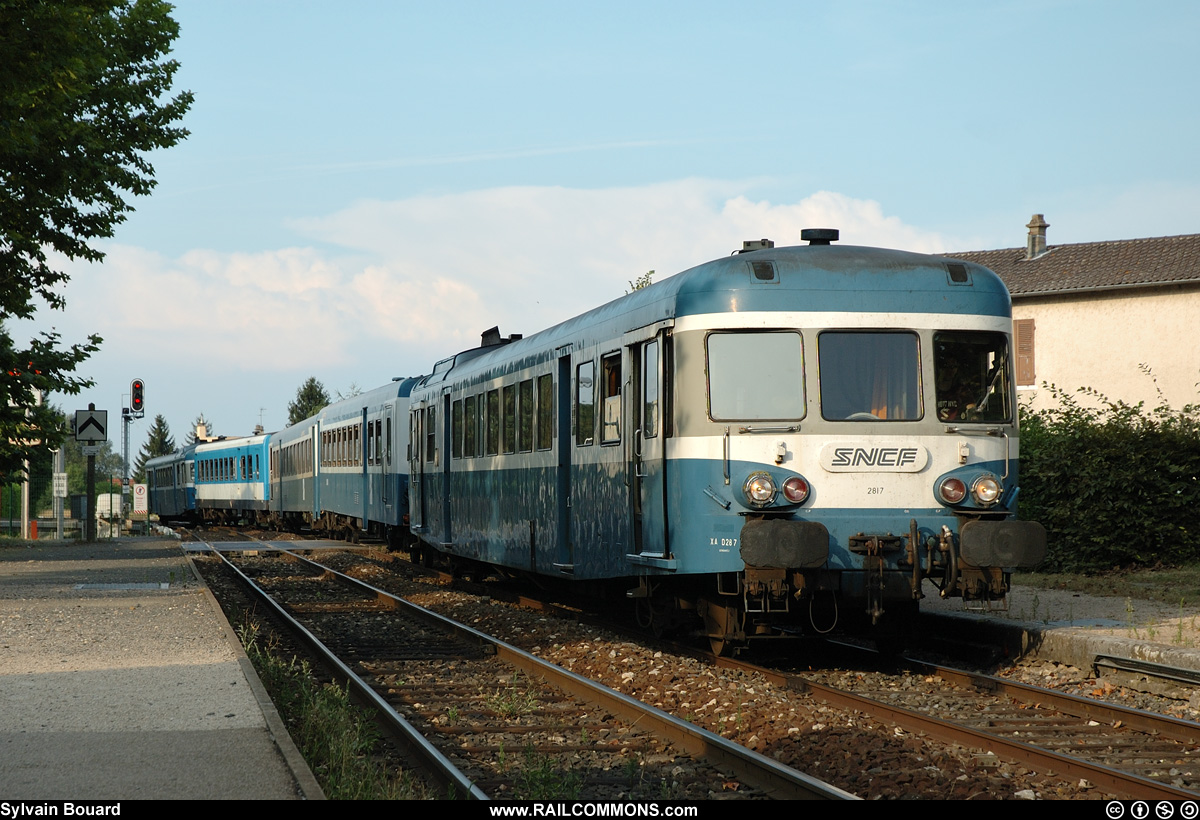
<point x="91" y="428"/>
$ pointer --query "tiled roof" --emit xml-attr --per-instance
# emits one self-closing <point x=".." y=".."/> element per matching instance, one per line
<point x="1095" y="265"/>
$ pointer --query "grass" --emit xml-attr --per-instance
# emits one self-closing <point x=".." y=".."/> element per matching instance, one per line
<point x="337" y="738"/>
<point x="1177" y="587"/>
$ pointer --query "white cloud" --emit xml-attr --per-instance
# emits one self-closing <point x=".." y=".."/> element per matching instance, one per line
<point x="526" y="257"/>
<point x="397" y="285"/>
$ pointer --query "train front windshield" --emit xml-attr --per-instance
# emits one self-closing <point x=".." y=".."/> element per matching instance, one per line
<point x="875" y="375"/>
<point x="871" y="376"/>
<point x="974" y="376"/>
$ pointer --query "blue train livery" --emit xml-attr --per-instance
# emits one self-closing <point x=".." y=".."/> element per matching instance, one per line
<point x="787" y="438"/>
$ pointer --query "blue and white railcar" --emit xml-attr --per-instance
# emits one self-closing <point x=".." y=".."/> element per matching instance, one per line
<point x="787" y="436"/>
<point x="292" y="475"/>
<point x="231" y="479"/>
<point x="362" y="483"/>
<point x="172" y="489"/>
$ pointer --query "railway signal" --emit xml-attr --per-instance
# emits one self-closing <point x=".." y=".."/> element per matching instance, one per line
<point x="137" y="396"/>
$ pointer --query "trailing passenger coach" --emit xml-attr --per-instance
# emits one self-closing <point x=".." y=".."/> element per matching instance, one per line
<point x="787" y="438"/>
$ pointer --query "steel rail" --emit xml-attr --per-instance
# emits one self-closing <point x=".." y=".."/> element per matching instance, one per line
<point x="1183" y="731"/>
<point x="1188" y="677"/>
<point x="447" y="775"/>
<point x="1014" y="751"/>
<point x="774" y="778"/>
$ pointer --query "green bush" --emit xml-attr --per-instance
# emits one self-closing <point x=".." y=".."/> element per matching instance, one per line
<point x="1115" y="485"/>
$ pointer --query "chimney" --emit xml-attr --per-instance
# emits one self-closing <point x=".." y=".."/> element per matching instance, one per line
<point x="1035" y="243"/>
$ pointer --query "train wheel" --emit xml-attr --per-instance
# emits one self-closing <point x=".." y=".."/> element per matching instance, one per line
<point x="723" y="625"/>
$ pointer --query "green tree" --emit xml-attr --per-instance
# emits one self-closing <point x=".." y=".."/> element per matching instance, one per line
<point x="29" y="427"/>
<point x="159" y="442"/>
<point x="311" y="399"/>
<point x="82" y="88"/>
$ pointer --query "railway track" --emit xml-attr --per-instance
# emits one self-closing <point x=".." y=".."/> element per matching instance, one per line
<point x="1128" y="752"/>
<point x="1115" y="751"/>
<point x="493" y="721"/>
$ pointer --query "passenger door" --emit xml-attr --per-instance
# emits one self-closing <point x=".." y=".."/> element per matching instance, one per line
<point x="416" y="482"/>
<point x="648" y="476"/>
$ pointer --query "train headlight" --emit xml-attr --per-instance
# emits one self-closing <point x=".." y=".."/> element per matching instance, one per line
<point x="795" y="489"/>
<point x="986" y="490"/>
<point x="759" y="489"/>
<point x="952" y="490"/>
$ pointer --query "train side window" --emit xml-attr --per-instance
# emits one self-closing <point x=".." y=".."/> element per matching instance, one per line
<point x="430" y="435"/>
<point x="610" y="385"/>
<point x="492" y="442"/>
<point x="470" y="427"/>
<point x="585" y="404"/>
<point x="456" y="429"/>
<point x="387" y="437"/>
<point x="650" y="390"/>
<point x="525" y="428"/>
<point x="510" y="418"/>
<point x="545" y="412"/>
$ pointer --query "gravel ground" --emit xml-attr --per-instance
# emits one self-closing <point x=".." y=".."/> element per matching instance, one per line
<point x="868" y="758"/>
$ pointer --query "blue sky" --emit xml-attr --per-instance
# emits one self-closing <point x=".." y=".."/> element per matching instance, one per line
<point x="369" y="185"/>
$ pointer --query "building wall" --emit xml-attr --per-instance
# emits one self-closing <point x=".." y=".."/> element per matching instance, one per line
<point x="1098" y="340"/>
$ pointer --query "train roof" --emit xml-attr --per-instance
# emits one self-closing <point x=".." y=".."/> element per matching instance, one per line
<point x="233" y="442"/>
<point x="347" y="408"/>
<point x="352" y="407"/>
<point x="181" y="454"/>
<point x="818" y="278"/>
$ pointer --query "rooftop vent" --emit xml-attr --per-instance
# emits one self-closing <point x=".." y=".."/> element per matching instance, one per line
<point x="819" y="236"/>
<point x="491" y="337"/>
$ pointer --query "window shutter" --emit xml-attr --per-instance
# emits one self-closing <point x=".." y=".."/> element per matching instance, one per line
<point x="1023" y="332"/>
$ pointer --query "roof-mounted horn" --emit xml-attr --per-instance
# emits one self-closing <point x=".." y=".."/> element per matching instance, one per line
<point x="819" y="236"/>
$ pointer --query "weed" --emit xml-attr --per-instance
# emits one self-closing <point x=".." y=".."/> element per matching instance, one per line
<point x="1129" y="617"/>
<point x="337" y="738"/>
<point x="633" y="770"/>
<point x="514" y="700"/>
<point x="540" y="779"/>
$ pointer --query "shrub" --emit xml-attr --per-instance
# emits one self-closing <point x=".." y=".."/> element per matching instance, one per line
<point x="1115" y="485"/>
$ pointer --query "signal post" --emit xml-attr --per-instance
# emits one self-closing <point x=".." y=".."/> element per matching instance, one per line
<point x="135" y="410"/>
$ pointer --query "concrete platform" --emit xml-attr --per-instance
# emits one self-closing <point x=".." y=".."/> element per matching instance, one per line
<point x="1072" y="628"/>
<point x="121" y="679"/>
